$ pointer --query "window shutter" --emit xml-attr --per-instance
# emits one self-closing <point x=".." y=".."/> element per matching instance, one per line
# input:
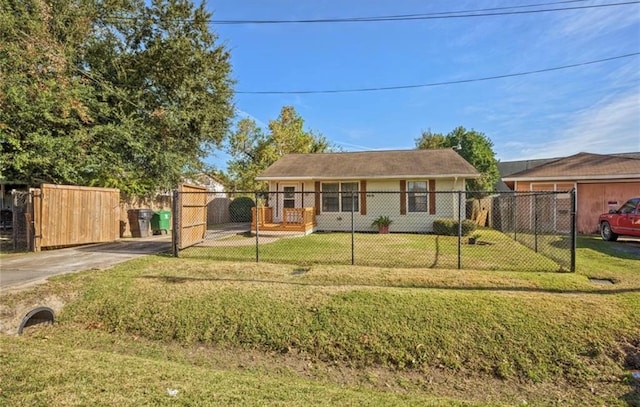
<point x="277" y="205"/>
<point x="363" y="197"/>
<point x="317" y="193"/>
<point x="403" y="197"/>
<point x="432" y="196"/>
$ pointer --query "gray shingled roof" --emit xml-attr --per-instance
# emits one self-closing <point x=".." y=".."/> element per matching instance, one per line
<point x="438" y="163"/>
<point x="582" y="166"/>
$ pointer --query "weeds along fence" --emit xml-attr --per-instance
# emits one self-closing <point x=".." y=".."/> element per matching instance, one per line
<point x="523" y="231"/>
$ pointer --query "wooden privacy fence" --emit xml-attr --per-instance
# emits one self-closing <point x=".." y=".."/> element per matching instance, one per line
<point x="218" y="211"/>
<point x="190" y="209"/>
<point x="66" y="215"/>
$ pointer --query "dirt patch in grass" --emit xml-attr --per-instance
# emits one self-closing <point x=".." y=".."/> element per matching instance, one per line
<point x="438" y="381"/>
<point x="631" y="350"/>
<point x="11" y="316"/>
<point x="290" y="366"/>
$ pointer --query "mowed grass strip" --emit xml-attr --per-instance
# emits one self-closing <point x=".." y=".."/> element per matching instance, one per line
<point x="497" y="251"/>
<point x="34" y="371"/>
<point x="129" y="333"/>
<point x="557" y="326"/>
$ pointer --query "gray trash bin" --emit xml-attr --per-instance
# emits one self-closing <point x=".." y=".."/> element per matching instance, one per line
<point x="139" y="220"/>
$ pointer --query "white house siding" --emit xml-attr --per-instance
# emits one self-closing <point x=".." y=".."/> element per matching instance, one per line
<point x="379" y="203"/>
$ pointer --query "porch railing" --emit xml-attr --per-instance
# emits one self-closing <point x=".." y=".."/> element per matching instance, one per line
<point x="265" y="215"/>
<point x="298" y="216"/>
<point x="290" y="216"/>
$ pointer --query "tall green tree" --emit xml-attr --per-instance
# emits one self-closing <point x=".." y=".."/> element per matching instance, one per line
<point x="141" y="92"/>
<point x="252" y="150"/>
<point x="429" y="140"/>
<point x="475" y="147"/>
<point x="45" y="105"/>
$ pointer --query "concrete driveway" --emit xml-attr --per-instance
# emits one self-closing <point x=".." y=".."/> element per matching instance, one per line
<point x="18" y="271"/>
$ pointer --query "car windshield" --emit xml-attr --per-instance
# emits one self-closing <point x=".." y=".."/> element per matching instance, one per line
<point x="629" y="206"/>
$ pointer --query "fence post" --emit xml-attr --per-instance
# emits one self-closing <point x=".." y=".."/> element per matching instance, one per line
<point x="255" y="194"/>
<point x="459" y="230"/>
<point x="175" y="235"/>
<point x="535" y="221"/>
<point x="353" y="230"/>
<point x="574" y="230"/>
<point x="515" y="216"/>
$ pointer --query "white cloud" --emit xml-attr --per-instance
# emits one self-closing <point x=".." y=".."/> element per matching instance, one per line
<point x="246" y="115"/>
<point x="595" y="21"/>
<point x="352" y="147"/>
<point x="609" y="126"/>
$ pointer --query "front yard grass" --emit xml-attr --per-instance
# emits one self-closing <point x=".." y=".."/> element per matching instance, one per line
<point x="495" y="251"/>
<point x="228" y="333"/>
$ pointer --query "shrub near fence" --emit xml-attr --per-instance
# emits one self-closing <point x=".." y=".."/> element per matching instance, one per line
<point x="532" y="232"/>
<point x="451" y="227"/>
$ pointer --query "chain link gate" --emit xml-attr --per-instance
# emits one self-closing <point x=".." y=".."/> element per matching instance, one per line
<point x="22" y="232"/>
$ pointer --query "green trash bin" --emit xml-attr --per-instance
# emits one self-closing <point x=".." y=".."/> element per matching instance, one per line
<point x="161" y="222"/>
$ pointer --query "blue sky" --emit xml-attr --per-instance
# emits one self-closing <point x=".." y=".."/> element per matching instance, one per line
<point x="593" y="108"/>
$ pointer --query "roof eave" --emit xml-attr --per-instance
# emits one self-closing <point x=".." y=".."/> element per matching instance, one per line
<point x="573" y="178"/>
<point x="381" y="177"/>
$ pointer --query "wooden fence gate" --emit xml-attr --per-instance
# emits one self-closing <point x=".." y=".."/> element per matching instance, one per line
<point x="190" y="220"/>
<point x="67" y="215"/>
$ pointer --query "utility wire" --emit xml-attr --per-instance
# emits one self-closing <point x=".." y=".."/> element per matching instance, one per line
<point x="484" y="12"/>
<point x="476" y="10"/>
<point x="426" y="85"/>
<point x="431" y="16"/>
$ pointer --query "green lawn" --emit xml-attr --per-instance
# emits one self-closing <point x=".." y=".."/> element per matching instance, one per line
<point x="495" y="251"/>
<point x="229" y="333"/>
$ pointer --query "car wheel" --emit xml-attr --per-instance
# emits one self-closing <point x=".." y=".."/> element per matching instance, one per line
<point x="606" y="232"/>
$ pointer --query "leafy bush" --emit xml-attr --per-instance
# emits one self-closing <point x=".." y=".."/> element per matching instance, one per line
<point x="240" y="209"/>
<point x="449" y="227"/>
<point x="382" y="220"/>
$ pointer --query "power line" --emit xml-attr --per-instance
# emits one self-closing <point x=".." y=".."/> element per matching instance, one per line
<point x="478" y="10"/>
<point x="485" y="12"/>
<point x="431" y="16"/>
<point x="426" y="85"/>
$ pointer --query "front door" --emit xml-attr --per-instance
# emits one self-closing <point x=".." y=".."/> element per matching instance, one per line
<point x="288" y="197"/>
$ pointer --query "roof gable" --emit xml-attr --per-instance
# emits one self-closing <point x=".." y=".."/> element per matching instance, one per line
<point x="582" y="166"/>
<point x="436" y="163"/>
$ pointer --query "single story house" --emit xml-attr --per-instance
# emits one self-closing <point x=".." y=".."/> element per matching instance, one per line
<point x="602" y="182"/>
<point x="325" y="188"/>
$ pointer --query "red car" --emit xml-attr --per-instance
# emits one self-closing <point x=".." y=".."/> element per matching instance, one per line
<point x="624" y="221"/>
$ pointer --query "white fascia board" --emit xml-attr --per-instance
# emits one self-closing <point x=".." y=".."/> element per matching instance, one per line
<point x="447" y="176"/>
<point x="575" y="178"/>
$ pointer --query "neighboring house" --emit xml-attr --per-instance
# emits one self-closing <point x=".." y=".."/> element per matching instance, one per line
<point x="507" y="168"/>
<point x="217" y="198"/>
<point x="214" y="186"/>
<point x="399" y="184"/>
<point x="602" y="182"/>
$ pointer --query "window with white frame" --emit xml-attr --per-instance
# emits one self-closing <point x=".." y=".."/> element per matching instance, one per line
<point x="349" y="201"/>
<point x="289" y="198"/>
<point x="340" y="197"/>
<point x="417" y="196"/>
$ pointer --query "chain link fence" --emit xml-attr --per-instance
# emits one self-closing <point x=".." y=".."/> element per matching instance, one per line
<point x="532" y="231"/>
<point x="22" y="232"/>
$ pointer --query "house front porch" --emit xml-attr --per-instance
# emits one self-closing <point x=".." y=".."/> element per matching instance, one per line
<point x="294" y="220"/>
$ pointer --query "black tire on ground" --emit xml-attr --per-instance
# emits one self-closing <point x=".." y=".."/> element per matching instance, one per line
<point x="606" y="232"/>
